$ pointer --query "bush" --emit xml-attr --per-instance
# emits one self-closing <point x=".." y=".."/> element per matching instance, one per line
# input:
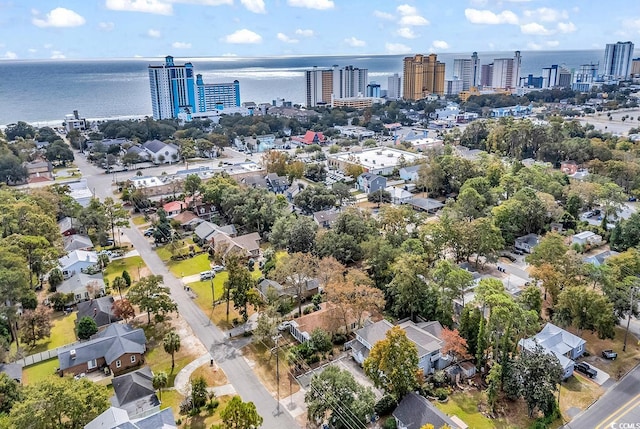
<point x="212" y="405"/>
<point x="308" y="310"/>
<point x="127" y="277"/>
<point x="441" y="393"/>
<point x="186" y="405"/>
<point x="390" y="423"/>
<point x="86" y="328"/>
<point x="313" y="359"/>
<point x="385" y="405"/>
<point x="339" y="339"/>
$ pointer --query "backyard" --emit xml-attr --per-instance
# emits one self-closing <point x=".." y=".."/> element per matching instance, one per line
<point x="62" y="332"/>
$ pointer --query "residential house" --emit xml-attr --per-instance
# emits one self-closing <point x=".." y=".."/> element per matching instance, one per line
<point x="174" y="208"/>
<point x="370" y="183"/>
<point x="201" y="209"/>
<point x="161" y="153"/>
<point x="255" y="181"/>
<point x="600" y="258"/>
<point x="99" y="309"/>
<point x="462" y="370"/>
<point x="117" y="418"/>
<point x="310" y="137"/>
<point x="187" y="220"/>
<point x="427" y="343"/>
<point x="564" y="345"/>
<point x="119" y="347"/>
<point x="277" y="184"/>
<point x="325" y="218"/>
<point x="399" y="195"/>
<point x="587" y="238"/>
<point x="135" y="394"/>
<point x="76" y="261"/>
<point x="268" y="287"/>
<point x="80" y="192"/>
<point x="76" y="242"/>
<point x="569" y="167"/>
<point x="409" y="174"/>
<point x="205" y="230"/>
<point x="83" y="286"/>
<point x="415" y="411"/>
<point x="329" y="318"/>
<point x="39" y="169"/>
<point x="526" y="243"/>
<point x="68" y="226"/>
<point x="13" y="371"/>
<point x="247" y="246"/>
<point x="428" y="205"/>
<point x="142" y="154"/>
<point x="293" y="190"/>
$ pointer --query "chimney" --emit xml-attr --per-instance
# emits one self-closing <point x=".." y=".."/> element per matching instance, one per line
<point x="72" y="353"/>
<point x="95" y="312"/>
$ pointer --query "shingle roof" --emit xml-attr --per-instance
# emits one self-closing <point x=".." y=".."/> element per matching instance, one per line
<point x="161" y="420"/>
<point x="414" y="411"/>
<point x="80" y="280"/>
<point x="77" y="256"/>
<point x="100" y="310"/>
<point x="154" y="146"/>
<point x="111" y="343"/>
<point x="134" y="391"/>
<point x="76" y="242"/>
<point x="13" y="370"/>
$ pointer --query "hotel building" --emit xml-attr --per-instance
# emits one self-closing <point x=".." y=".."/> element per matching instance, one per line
<point x="423" y="75"/>
<point x="324" y="84"/>
<point x="394" y="87"/>
<point x="467" y="70"/>
<point x="617" y="60"/>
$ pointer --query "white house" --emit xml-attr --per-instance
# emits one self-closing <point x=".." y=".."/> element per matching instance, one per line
<point x="587" y="238"/>
<point x="76" y="261"/>
<point x="161" y="153"/>
<point x="409" y="174"/>
<point x="399" y="195"/>
<point x="83" y="286"/>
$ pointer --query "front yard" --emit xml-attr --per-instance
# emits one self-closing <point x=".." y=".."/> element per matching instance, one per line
<point x="263" y="363"/>
<point x="134" y="265"/>
<point x="625" y="362"/>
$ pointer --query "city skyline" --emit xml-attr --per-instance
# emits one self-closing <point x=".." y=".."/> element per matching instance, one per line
<point x="37" y="29"/>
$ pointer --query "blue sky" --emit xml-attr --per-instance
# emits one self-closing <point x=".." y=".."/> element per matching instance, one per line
<point x="42" y="29"/>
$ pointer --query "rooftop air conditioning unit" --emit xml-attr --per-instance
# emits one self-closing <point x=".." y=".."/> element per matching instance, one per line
<point x="72" y="353"/>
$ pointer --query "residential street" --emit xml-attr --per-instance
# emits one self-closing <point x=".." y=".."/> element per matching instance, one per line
<point x="228" y="357"/>
<point x="618" y="408"/>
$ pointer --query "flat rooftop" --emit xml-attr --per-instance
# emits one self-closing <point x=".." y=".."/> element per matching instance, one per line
<point x="377" y="157"/>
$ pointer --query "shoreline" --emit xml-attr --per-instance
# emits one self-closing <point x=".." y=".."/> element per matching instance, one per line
<point x="60" y="122"/>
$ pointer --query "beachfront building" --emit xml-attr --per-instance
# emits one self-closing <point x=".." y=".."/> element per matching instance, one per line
<point x="423" y="75"/>
<point x="394" y="87"/>
<point x="217" y="96"/>
<point x="467" y="70"/>
<point x="325" y="85"/>
<point x="617" y="60"/>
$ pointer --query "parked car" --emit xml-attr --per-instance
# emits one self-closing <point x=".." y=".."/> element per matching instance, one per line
<point x="584" y="368"/>
<point x="149" y="232"/>
<point x="509" y="257"/>
<point x="217" y="268"/>
<point x="609" y="354"/>
<point x="284" y="326"/>
<point x="206" y="275"/>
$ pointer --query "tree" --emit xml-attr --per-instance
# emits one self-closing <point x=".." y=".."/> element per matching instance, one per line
<point x="117" y="215"/>
<point x="35" y="325"/>
<point x="586" y="309"/>
<point x="240" y="415"/>
<point x="171" y="345"/>
<point x="192" y="184"/>
<point x="295" y="271"/>
<point x="267" y="325"/>
<point x="294" y="233"/>
<point x="380" y="196"/>
<point x="393" y="364"/>
<point x="59" y="402"/>
<point x="120" y="283"/>
<point x="237" y="286"/>
<point x="55" y="278"/>
<point x="454" y="345"/>
<point x="198" y="392"/>
<point x="531" y="298"/>
<point x="10" y="393"/>
<point x="494" y="385"/>
<point x="320" y="340"/>
<point x="469" y="326"/>
<point x="127" y="277"/>
<point x="152" y="297"/>
<point x="59" y="152"/>
<point x="86" y="328"/>
<point x="550" y="250"/>
<point x="334" y="393"/>
<point x="352" y="298"/>
<point x="160" y="381"/>
<point x="409" y="293"/>
<point x="123" y="309"/>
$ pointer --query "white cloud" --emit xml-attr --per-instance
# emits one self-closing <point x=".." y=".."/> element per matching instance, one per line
<point x="255" y="6"/>
<point x="535" y="29"/>
<point x="476" y="16"/>
<point x="383" y="15"/>
<point x="413" y="20"/>
<point x="312" y="4"/>
<point x="534" y="46"/>
<point x="181" y="45"/>
<point x="552" y="43"/>
<point x="57" y="55"/>
<point x="355" y="43"/>
<point x="146" y="6"/>
<point x="397" y="48"/>
<point x="405" y="9"/>
<point x="407" y="33"/>
<point x="546" y="14"/>
<point x="243" y="36"/>
<point x="304" y="33"/>
<point x="567" y="27"/>
<point x="9" y="55"/>
<point x="32" y="50"/>
<point x="155" y="34"/>
<point x="106" y="26"/>
<point x="440" y="44"/>
<point x="59" y="17"/>
<point x="286" y="39"/>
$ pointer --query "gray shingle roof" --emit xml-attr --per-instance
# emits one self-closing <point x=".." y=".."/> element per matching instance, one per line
<point x="76" y="242"/>
<point x="414" y="411"/>
<point x="162" y="420"/>
<point x="111" y="343"/>
<point x="99" y="309"/>
<point x="154" y="146"/>
<point x="80" y="280"/>
<point x="13" y="370"/>
<point x="134" y="391"/>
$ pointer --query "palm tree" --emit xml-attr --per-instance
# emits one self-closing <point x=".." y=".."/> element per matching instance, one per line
<point x="119" y="283"/>
<point x="160" y="380"/>
<point x="171" y="343"/>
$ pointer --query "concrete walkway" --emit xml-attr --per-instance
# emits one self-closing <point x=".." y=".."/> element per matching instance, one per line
<point x="181" y="382"/>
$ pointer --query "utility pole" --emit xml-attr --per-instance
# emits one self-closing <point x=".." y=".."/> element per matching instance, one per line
<point x="213" y="294"/>
<point x="277" y="349"/>
<point x="624" y="347"/>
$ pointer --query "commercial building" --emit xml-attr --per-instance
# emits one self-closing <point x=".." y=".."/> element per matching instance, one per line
<point x="394" y="87"/>
<point x="176" y="94"/>
<point x="617" y="60"/>
<point x="423" y="75"/>
<point x="556" y="76"/>
<point x="453" y="86"/>
<point x="373" y="90"/>
<point x="635" y="67"/>
<point x="502" y="73"/>
<point x="468" y="70"/>
<point x="381" y="161"/>
<point x="355" y="102"/>
<point x="323" y="84"/>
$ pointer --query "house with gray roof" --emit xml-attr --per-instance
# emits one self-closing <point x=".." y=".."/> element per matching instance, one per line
<point x="99" y="309"/>
<point x="555" y="340"/>
<point x="68" y="225"/>
<point x="135" y="394"/>
<point x="117" y="418"/>
<point x="409" y="174"/>
<point x="119" y="347"/>
<point x="13" y="371"/>
<point x="83" y="286"/>
<point x="268" y="286"/>
<point x="526" y="243"/>
<point x="429" y="357"/>
<point x="160" y="152"/>
<point x="77" y="261"/>
<point x="255" y="181"/>
<point x="76" y="242"/>
<point x="600" y="258"/>
<point x="277" y="184"/>
<point x="325" y="218"/>
<point x="415" y="411"/>
<point x="142" y="154"/>
<point x="428" y="205"/>
<point x="370" y="183"/>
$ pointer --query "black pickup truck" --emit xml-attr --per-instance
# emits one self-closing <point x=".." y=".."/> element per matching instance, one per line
<point x="586" y="369"/>
<point x="609" y="354"/>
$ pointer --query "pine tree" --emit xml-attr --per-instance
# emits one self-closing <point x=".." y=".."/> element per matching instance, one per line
<point x="481" y="345"/>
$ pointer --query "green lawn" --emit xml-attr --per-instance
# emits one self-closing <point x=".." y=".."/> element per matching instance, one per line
<point x="139" y="220"/>
<point x="62" y="332"/>
<point x="465" y="406"/>
<point x="131" y="264"/>
<point x="40" y="371"/>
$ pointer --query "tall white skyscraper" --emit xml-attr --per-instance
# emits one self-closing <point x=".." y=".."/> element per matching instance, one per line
<point x="172" y="89"/>
<point x="325" y="84"/>
<point x="467" y="70"/>
<point x="617" y="60"/>
<point x="394" y="87"/>
<point x="506" y="72"/>
<point x="550" y="76"/>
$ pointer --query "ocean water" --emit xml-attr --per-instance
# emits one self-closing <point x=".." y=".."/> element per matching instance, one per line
<point x="44" y="91"/>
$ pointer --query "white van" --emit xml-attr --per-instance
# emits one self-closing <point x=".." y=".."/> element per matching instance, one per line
<point x="206" y="275"/>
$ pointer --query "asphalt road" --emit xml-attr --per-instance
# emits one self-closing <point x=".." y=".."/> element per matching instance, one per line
<point x="226" y="355"/>
<point x="618" y="408"/>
